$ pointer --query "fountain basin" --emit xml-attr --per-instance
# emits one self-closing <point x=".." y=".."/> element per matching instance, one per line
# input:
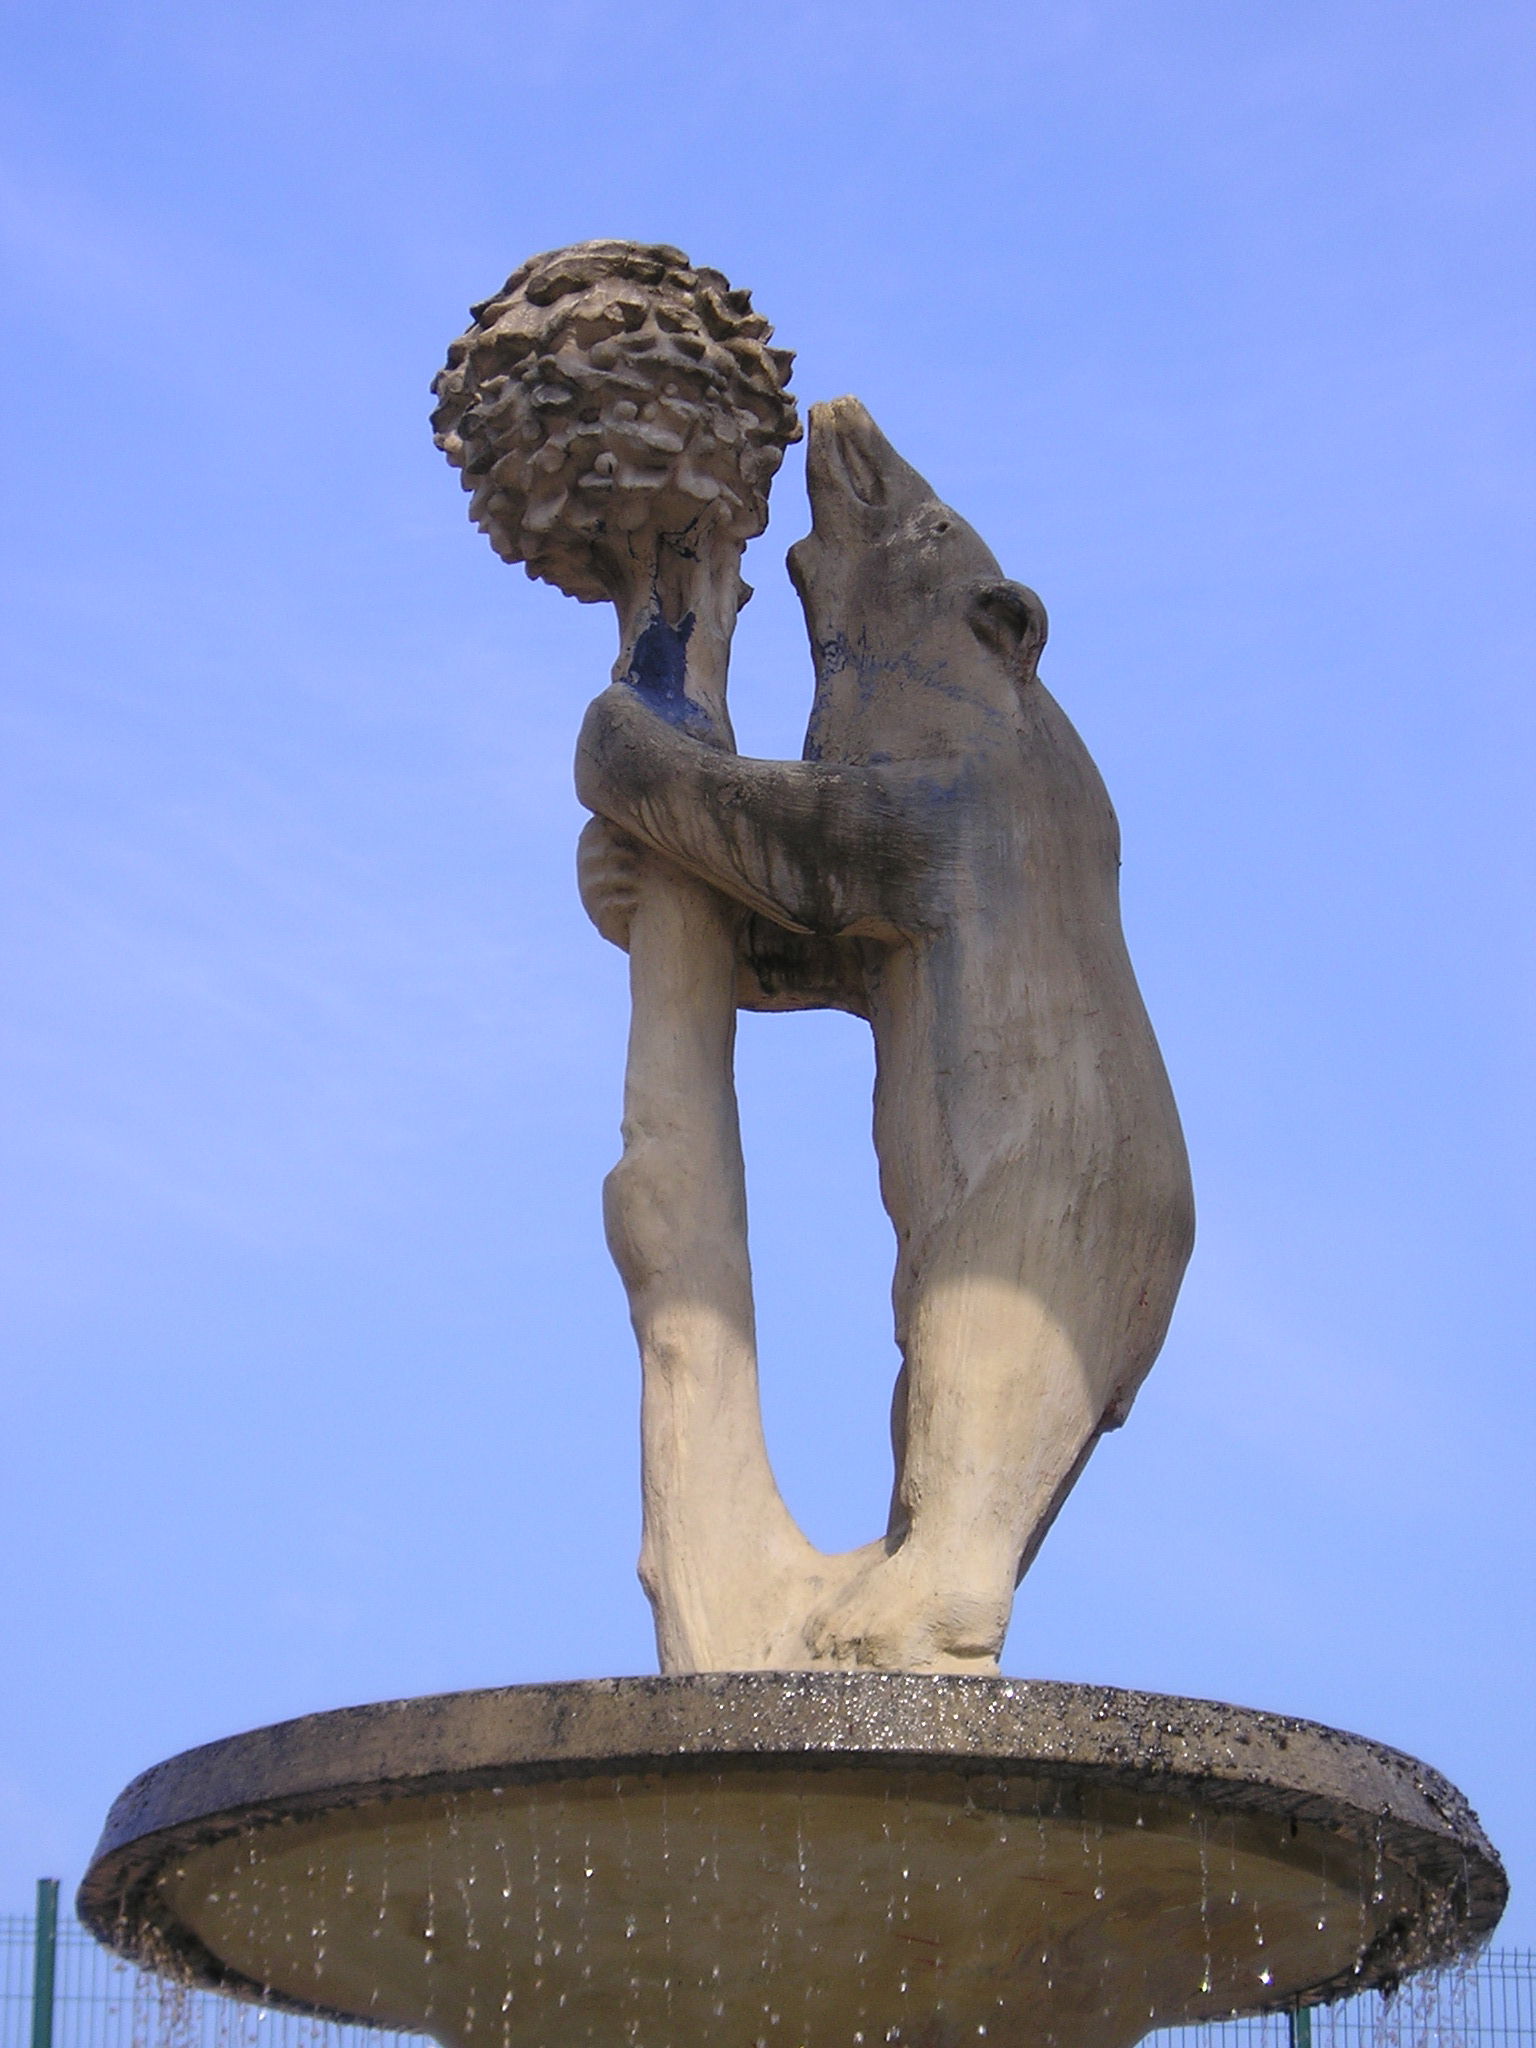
<point x="813" y="1859"/>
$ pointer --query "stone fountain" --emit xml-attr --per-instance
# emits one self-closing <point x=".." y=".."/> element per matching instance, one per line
<point x="830" y="1821"/>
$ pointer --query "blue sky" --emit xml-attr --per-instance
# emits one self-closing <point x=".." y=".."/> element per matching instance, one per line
<point x="1215" y="320"/>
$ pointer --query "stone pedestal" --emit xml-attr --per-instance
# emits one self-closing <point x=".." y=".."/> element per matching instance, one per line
<point x="818" y="1860"/>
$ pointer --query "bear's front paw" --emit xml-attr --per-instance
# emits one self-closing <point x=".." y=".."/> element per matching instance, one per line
<point x="607" y="875"/>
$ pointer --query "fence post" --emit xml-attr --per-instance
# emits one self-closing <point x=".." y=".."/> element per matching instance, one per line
<point x="45" y="1948"/>
<point x="1299" y="2023"/>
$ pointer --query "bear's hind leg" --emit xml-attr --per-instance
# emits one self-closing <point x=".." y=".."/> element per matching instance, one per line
<point x="1000" y="1417"/>
<point x="1014" y="1328"/>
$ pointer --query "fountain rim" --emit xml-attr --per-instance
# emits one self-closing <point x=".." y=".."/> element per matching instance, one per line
<point x="1230" y="1758"/>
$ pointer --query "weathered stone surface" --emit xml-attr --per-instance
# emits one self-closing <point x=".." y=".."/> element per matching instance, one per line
<point x="675" y="1860"/>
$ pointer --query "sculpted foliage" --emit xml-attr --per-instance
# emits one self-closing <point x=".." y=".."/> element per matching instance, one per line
<point x="608" y="389"/>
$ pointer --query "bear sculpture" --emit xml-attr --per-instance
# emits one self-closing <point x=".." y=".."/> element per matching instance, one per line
<point x="943" y="861"/>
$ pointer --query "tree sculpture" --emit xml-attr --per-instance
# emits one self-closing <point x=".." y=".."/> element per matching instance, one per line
<point x="618" y="416"/>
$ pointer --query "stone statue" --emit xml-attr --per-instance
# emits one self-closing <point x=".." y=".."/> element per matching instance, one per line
<point x="899" y="1846"/>
<point x="943" y="862"/>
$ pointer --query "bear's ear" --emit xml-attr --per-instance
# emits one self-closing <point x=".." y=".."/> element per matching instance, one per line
<point x="1011" y="621"/>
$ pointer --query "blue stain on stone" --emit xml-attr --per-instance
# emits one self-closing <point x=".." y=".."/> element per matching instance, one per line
<point x="833" y="654"/>
<point x="657" y="672"/>
<point x="935" y="795"/>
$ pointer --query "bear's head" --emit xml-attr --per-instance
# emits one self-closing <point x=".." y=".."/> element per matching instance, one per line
<point x="921" y="644"/>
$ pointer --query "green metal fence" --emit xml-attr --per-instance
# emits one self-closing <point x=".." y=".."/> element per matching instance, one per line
<point x="1489" y="2002"/>
<point x="60" y="1989"/>
<point x="70" y="1992"/>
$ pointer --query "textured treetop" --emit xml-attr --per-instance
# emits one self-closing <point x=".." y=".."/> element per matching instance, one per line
<point x="609" y="392"/>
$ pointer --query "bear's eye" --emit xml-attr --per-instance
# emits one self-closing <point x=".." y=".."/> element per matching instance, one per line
<point x="941" y="526"/>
